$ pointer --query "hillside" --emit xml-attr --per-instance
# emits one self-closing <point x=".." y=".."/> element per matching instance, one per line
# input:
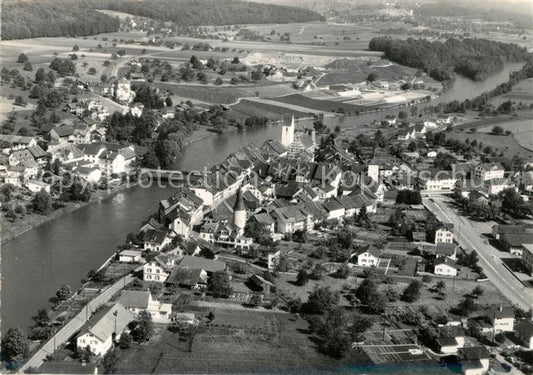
<point x="22" y="20"/>
<point x="220" y="12"/>
<point x="472" y="58"/>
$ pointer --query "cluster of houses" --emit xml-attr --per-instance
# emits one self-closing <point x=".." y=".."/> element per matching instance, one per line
<point x="496" y="319"/>
<point x="80" y="145"/>
<point x="24" y="160"/>
<point x="106" y="326"/>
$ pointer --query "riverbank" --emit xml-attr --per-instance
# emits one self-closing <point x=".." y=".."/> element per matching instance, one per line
<point x="11" y="230"/>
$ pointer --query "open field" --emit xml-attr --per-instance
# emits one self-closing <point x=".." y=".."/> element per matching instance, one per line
<point x="522" y="92"/>
<point x="522" y="130"/>
<point x="321" y="105"/>
<point x="226" y="94"/>
<point x="499" y="143"/>
<point x="353" y="71"/>
<point x="254" y="338"/>
<point x="352" y="36"/>
<point x="247" y="108"/>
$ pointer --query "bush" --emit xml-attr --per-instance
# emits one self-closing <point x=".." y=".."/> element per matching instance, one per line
<point x="302" y="278"/>
<point x="412" y="292"/>
<point x="64" y="292"/>
<point x="497" y="130"/>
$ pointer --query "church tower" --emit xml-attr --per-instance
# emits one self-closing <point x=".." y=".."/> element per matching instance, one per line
<point x="287" y="133"/>
<point x="239" y="212"/>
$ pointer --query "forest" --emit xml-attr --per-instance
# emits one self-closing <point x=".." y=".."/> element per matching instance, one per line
<point x="207" y="12"/>
<point x="473" y="58"/>
<point x="22" y="20"/>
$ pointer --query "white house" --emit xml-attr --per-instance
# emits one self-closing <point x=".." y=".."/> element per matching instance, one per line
<point x="438" y="181"/>
<point x="489" y="171"/>
<point x="182" y="210"/>
<point x="129" y="256"/>
<point x="496" y="185"/>
<point x="445" y="119"/>
<point x="446" y="249"/>
<point x="444" y="233"/>
<point x="111" y="162"/>
<point x="156" y="240"/>
<point x="451" y="339"/>
<point x="334" y="208"/>
<point x="475" y="360"/>
<point x="36" y="186"/>
<point x="367" y="256"/>
<point x="142" y="300"/>
<point x="445" y="266"/>
<point x="159" y="268"/>
<point x="89" y="174"/>
<point x="98" y="332"/>
<point x="289" y="219"/>
<point x="501" y="317"/>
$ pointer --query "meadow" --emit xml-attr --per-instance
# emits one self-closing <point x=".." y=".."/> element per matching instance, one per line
<point x="259" y="342"/>
<point x="522" y="92"/>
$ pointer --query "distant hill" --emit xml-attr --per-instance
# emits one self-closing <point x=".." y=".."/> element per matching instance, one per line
<point x="32" y="19"/>
<point x="519" y="13"/>
<point x="218" y="12"/>
<point x="22" y="20"/>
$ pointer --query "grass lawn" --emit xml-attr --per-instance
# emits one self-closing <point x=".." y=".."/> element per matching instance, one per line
<point x="322" y="105"/>
<point x="236" y="342"/>
<point x="206" y="93"/>
<point x="508" y="144"/>
<point x="355" y="71"/>
<point x="522" y="92"/>
<point x="248" y="108"/>
<point x="522" y="129"/>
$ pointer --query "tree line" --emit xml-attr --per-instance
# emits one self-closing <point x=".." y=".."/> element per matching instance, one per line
<point x="473" y="58"/>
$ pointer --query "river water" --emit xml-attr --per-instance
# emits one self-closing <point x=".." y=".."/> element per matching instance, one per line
<point x="37" y="263"/>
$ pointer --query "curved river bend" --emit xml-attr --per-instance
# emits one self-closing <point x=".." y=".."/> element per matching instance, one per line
<point x="64" y="250"/>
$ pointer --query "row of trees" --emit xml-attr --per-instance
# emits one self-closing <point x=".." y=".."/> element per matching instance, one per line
<point x="473" y="58"/>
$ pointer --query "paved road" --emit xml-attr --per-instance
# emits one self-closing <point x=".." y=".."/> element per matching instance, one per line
<point x="470" y="237"/>
<point x="65" y="333"/>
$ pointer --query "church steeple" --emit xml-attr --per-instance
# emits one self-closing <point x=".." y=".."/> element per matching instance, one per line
<point x="239" y="211"/>
<point x="287" y="133"/>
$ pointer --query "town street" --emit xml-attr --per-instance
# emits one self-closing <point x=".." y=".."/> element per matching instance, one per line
<point x="75" y="324"/>
<point x="469" y="236"/>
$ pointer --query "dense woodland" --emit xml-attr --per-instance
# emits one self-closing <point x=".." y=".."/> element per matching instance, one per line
<point x="472" y="58"/>
<point x="207" y="12"/>
<point x="21" y="20"/>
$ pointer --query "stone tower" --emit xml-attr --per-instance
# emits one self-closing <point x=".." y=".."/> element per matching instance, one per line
<point x="287" y="133"/>
<point x="239" y="212"/>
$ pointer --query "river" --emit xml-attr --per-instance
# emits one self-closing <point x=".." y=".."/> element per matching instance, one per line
<point x="62" y="251"/>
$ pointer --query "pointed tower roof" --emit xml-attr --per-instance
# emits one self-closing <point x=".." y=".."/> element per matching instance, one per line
<point x="239" y="202"/>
